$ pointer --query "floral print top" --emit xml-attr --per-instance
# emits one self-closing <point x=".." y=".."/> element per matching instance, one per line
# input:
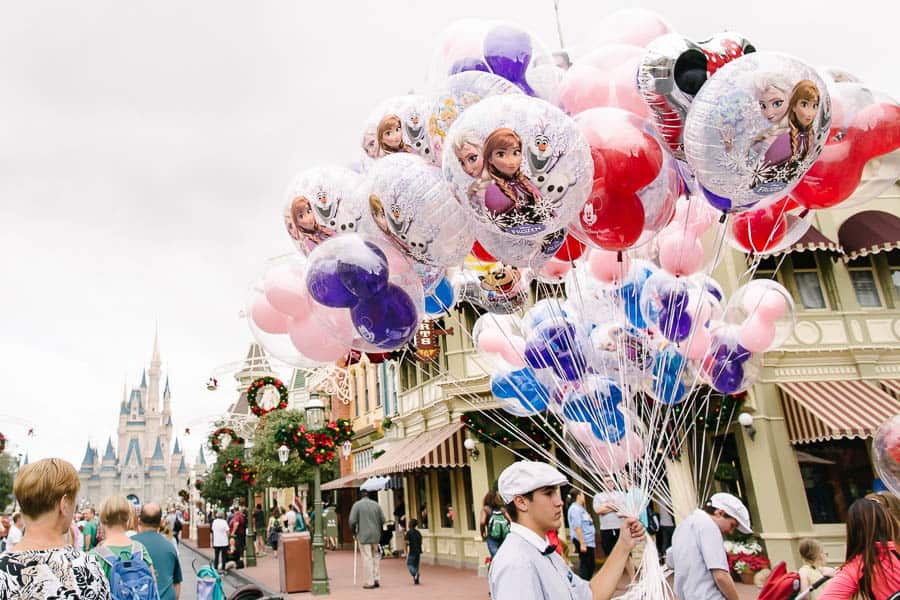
<point x="63" y="573"/>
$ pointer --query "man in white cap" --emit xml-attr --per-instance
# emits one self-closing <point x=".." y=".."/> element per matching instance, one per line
<point x="527" y="566"/>
<point x="698" y="549"/>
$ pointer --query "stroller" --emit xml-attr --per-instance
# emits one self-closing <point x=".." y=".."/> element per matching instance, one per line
<point x="209" y="586"/>
<point x="384" y="542"/>
<point x="785" y="585"/>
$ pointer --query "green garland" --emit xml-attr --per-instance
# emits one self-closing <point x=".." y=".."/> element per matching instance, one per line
<point x="236" y="467"/>
<point x="717" y="414"/>
<point x="315" y="447"/>
<point x="259" y="384"/>
<point x="215" y="438"/>
<point x="486" y="430"/>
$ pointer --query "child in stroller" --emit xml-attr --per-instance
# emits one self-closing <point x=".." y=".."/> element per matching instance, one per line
<point x="384" y="543"/>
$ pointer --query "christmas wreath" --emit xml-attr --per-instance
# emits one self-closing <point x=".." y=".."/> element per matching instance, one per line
<point x="184" y="495"/>
<point x="258" y="385"/>
<point x="236" y="468"/>
<point x="2" y="442"/>
<point x="317" y="446"/>
<point x="215" y="438"/>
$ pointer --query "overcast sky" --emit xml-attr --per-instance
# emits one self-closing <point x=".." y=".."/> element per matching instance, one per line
<point x="144" y="148"/>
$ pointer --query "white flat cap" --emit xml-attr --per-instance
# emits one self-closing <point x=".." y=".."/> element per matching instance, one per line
<point x="526" y="476"/>
<point x="734" y="508"/>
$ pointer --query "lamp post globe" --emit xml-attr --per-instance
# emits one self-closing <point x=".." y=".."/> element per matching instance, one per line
<point x="283" y="454"/>
<point x="346" y="449"/>
<point x="228" y="479"/>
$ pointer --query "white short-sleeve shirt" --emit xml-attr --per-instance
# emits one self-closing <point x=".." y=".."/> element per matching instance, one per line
<point x="610" y="520"/>
<point x="520" y="571"/>
<point x="220" y="532"/>
<point x="13" y="537"/>
<point x="697" y="547"/>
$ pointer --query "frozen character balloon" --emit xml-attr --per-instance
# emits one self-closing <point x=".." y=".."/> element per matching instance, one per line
<point x="309" y="232"/>
<point x="773" y="92"/>
<point x="787" y="151"/>
<point x="510" y="198"/>
<point x="390" y="136"/>
<point x="468" y="150"/>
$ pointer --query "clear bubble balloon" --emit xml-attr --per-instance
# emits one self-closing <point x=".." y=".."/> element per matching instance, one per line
<point x="500" y="289"/>
<point x="886" y="450"/>
<point x="770" y="229"/>
<point x="397" y="125"/>
<point x="765" y="313"/>
<point x="320" y="204"/>
<point x="412" y="204"/>
<point x="534" y="171"/>
<point x="729" y="367"/>
<point x="755" y="128"/>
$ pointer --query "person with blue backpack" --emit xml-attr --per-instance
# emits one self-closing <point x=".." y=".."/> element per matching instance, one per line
<point x="125" y="562"/>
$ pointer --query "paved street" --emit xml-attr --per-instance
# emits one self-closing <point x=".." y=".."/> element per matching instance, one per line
<point x="189" y="559"/>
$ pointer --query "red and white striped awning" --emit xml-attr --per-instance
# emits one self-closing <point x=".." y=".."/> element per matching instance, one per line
<point x="439" y="448"/>
<point x="891" y="386"/>
<point x="816" y="411"/>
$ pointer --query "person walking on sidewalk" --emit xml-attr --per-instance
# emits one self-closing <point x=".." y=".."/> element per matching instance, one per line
<point x="162" y="551"/>
<point x="219" y="540"/>
<point x="413" y="550"/>
<point x="527" y="567"/>
<point x="698" y="554"/>
<point x="583" y="534"/>
<point x="259" y="524"/>
<point x="366" y="522"/>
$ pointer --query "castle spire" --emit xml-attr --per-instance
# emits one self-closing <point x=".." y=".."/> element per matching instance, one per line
<point x="155" y="361"/>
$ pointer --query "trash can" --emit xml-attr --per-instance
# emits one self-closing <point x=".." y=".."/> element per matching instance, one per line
<point x="203" y="536"/>
<point x="295" y="562"/>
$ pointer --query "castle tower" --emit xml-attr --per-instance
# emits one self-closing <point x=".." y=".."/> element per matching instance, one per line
<point x="109" y="474"/>
<point x="156" y="488"/>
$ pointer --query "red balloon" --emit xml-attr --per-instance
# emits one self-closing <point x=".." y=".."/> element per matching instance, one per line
<point x="833" y="177"/>
<point x="613" y="221"/>
<point x="760" y="230"/>
<point x="571" y="249"/>
<point x="877" y="127"/>
<point x="481" y="254"/>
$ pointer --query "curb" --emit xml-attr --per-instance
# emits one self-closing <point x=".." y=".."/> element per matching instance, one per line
<point x="234" y="574"/>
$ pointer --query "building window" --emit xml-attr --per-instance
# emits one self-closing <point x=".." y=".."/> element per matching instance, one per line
<point x="765" y="268"/>
<point x="808" y="281"/>
<point x="893" y="261"/>
<point x="363" y="458"/>
<point x="378" y="372"/>
<point x="351" y="375"/>
<point x="862" y="274"/>
<point x="835" y="473"/>
<point x="445" y="498"/>
<point x="470" y="502"/>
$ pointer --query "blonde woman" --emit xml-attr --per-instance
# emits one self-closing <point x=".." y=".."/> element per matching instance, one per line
<point x="42" y="564"/>
<point x="116" y="513"/>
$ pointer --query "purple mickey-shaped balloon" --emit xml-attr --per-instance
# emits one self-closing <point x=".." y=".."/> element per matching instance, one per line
<point x="726" y="353"/>
<point x="469" y="63"/>
<point x="727" y="377"/>
<point x="675" y="325"/>
<point x="325" y="286"/>
<point x="674" y="301"/>
<point x="507" y="50"/>
<point x="365" y="272"/>
<point x="388" y="320"/>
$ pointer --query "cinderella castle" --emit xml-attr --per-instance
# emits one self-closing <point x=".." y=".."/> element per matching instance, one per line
<point x="143" y="464"/>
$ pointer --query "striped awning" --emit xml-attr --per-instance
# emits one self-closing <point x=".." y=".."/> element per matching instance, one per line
<point x="816" y="411"/>
<point x="813" y="240"/>
<point x="439" y="448"/>
<point x="892" y="386"/>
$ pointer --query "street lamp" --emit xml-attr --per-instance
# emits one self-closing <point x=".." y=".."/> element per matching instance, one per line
<point x="228" y="479"/>
<point x="346" y="449"/>
<point x="315" y="419"/>
<point x="283" y="454"/>
<point x="251" y="532"/>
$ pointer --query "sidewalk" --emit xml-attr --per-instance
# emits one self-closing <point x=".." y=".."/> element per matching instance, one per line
<point x="446" y="583"/>
<point x="441" y="582"/>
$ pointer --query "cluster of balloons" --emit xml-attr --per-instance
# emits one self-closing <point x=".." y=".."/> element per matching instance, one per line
<point x="617" y="177"/>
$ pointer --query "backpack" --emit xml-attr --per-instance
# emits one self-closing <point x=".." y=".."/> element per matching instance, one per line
<point x="498" y="526"/>
<point x="209" y="584"/>
<point x="129" y="579"/>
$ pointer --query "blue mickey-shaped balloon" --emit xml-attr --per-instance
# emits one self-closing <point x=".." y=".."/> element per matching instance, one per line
<point x="674" y="325"/>
<point x="667" y="384"/>
<point x="388" y="320"/>
<point x="523" y="387"/>
<point x="630" y="293"/>
<point x="555" y="344"/>
<point x="365" y="272"/>
<point x="731" y="353"/>
<point x="325" y="286"/>
<point x="441" y="300"/>
<point x="727" y="376"/>
<point x="599" y="408"/>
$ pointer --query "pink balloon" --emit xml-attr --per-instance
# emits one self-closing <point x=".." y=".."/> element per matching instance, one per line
<point x="285" y="290"/>
<point x="397" y="263"/>
<point x="610" y="458"/>
<point x="763" y="303"/>
<point x="696" y="346"/>
<point x="695" y="215"/>
<point x="756" y="335"/>
<point x="267" y="318"/>
<point x="313" y="340"/>
<point x="581" y="432"/>
<point x="555" y="269"/>
<point x="680" y="253"/>
<point x="605" y="77"/>
<point x="635" y="26"/>
<point x="492" y="341"/>
<point x="605" y="265"/>
<point x="514" y="351"/>
<point x="633" y="445"/>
